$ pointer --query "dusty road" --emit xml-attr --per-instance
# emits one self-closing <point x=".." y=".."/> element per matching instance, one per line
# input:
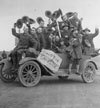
<point x="51" y="93"/>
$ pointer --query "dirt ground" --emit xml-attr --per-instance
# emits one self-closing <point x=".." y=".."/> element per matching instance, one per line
<point x="51" y="93"/>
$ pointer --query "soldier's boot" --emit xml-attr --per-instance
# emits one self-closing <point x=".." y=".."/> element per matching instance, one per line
<point x="77" y="69"/>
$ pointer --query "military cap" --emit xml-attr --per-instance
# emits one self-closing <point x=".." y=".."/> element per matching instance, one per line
<point x="86" y="29"/>
<point x="39" y="19"/>
<point x="31" y="21"/>
<point x="25" y="19"/>
<point x="70" y="14"/>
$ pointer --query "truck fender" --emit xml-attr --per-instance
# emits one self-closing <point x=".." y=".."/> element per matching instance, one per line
<point x="84" y="64"/>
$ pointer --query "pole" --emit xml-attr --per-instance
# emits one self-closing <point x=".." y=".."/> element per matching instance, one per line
<point x="58" y="29"/>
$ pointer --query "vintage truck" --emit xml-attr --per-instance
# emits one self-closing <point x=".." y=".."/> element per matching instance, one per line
<point x="32" y="69"/>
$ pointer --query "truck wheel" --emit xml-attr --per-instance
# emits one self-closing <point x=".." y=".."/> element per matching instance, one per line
<point x="6" y="75"/>
<point x="89" y="73"/>
<point x="29" y="74"/>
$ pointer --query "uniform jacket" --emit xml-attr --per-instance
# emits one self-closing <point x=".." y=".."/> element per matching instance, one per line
<point x="43" y="37"/>
<point x="90" y="37"/>
<point x="77" y="48"/>
<point x="25" y="40"/>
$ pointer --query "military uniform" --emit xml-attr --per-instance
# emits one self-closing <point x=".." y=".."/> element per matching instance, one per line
<point x="76" y="53"/>
<point x="40" y="32"/>
<point x="41" y="38"/>
<point x="34" y="35"/>
<point x="25" y="41"/>
<point x="74" y="21"/>
<point x="77" y="48"/>
<point x="90" y="37"/>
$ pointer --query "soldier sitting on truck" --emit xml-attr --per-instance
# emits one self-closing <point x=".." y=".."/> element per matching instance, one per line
<point x="88" y="45"/>
<point x="25" y="42"/>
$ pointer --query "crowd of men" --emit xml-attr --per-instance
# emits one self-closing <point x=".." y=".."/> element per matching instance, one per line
<point x="65" y="36"/>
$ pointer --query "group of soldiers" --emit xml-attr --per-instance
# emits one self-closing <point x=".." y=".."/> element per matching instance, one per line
<point x="65" y="36"/>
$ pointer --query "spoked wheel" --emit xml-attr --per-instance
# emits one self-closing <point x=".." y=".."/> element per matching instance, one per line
<point x="6" y="75"/>
<point x="63" y="77"/>
<point x="89" y="73"/>
<point x="29" y="74"/>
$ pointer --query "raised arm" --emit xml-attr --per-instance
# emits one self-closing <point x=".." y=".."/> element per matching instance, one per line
<point x="14" y="33"/>
<point x="96" y="33"/>
<point x="80" y="24"/>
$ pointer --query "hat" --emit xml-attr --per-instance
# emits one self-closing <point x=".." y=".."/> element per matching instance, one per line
<point x="25" y="19"/>
<point x="31" y="21"/>
<point x="86" y="29"/>
<point x="19" y="23"/>
<point x="39" y="19"/>
<point x="70" y="14"/>
<point x="48" y="14"/>
<point x="56" y="14"/>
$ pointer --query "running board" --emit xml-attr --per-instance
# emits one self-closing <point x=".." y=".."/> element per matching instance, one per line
<point x="63" y="72"/>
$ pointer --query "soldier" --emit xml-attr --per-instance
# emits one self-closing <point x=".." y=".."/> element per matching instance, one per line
<point x="88" y="45"/>
<point x="25" y="41"/>
<point x="62" y="47"/>
<point x="65" y="33"/>
<point x="74" y="21"/>
<point x="42" y="34"/>
<point x="76" y="53"/>
<point x="35" y="36"/>
<point x="19" y="29"/>
<point x="66" y="29"/>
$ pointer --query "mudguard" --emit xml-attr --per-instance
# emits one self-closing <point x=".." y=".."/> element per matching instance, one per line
<point x="84" y="61"/>
<point x="26" y="59"/>
<point x="6" y="64"/>
<point x="35" y="59"/>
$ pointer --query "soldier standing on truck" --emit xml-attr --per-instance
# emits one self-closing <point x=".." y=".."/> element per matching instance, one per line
<point x="76" y="52"/>
<point x="41" y="30"/>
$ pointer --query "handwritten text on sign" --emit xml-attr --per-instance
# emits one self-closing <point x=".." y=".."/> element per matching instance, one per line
<point x="50" y="59"/>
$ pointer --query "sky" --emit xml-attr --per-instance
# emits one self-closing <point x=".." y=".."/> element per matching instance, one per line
<point x="11" y="10"/>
